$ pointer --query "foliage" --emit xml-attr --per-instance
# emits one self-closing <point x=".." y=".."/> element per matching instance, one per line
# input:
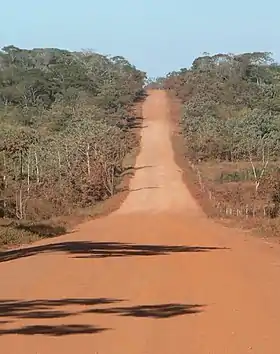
<point x="231" y="106"/>
<point x="232" y="115"/>
<point x="64" y="128"/>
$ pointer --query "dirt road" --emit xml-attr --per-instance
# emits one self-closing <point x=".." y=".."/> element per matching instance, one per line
<point x="155" y="277"/>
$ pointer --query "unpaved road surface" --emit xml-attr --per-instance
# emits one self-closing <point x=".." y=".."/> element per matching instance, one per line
<point x="155" y="277"/>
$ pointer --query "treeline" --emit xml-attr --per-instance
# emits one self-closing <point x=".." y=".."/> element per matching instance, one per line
<point x="65" y="120"/>
<point x="231" y="129"/>
<point x="232" y="106"/>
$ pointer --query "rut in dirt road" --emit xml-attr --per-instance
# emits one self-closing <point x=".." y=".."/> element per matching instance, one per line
<point x="155" y="277"/>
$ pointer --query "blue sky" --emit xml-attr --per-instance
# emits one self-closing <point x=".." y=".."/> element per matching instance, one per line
<point x="157" y="36"/>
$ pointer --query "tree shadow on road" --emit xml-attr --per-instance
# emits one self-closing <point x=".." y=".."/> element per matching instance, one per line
<point x="49" y="309"/>
<point x="153" y="311"/>
<point x="87" y="249"/>
<point x="13" y="310"/>
<point x="142" y="188"/>
<point x="59" y="330"/>
<point x="130" y="170"/>
<point x="46" y="308"/>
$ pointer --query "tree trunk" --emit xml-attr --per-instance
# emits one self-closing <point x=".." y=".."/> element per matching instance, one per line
<point x="28" y="173"/>
<point x="4" y="185"/>
<point x="59" y="165"/>
<point x="37" y="167"/>
<point x="88" y="160"/>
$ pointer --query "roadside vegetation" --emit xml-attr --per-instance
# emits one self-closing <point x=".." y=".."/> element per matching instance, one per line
<point x="66" y="125"/>
<point x="231" y="129"/>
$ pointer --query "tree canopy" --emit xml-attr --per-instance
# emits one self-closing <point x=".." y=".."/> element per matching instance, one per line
<point x="64" y="128"/>
<point x="231" y="105"/>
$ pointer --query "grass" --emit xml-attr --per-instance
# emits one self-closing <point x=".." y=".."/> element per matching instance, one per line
<point x="234" y="199"/>
<point x="14" y="233"/>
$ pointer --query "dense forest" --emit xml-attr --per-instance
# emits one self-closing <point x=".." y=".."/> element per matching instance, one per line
<point x="65" y="120"/>
<point x="231" y="129"/>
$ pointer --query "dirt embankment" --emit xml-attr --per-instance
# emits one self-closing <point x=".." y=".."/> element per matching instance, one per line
<point x="188" y="175"/>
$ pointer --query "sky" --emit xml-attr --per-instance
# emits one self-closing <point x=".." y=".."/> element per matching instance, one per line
<point x="157" y="36"/>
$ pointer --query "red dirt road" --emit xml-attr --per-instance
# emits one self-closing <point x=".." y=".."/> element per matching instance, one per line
<point x="155" y="277"/>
